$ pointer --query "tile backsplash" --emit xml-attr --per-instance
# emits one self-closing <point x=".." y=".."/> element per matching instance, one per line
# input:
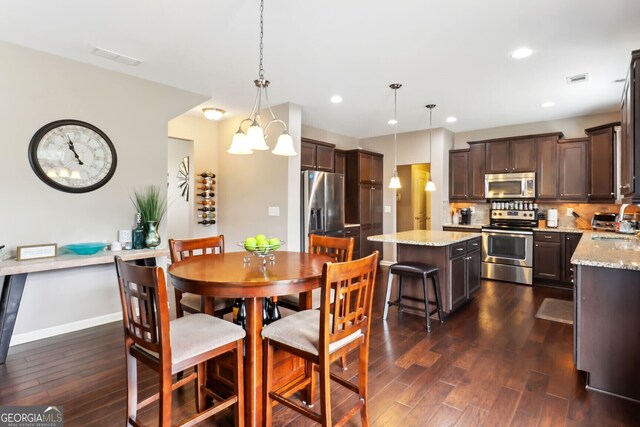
<point x="585" y="210"/>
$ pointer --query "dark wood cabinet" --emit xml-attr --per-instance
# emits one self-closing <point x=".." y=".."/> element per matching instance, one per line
<point x="340" y="162"/>
<point x="547" y="168"/>
<point x="458" y="174"/>
<point x="570" y="244"/>
<point x="630" y="142"/>
<point x="552" y="254"/>
<point x="517" y="155"/>
<point x="316" y="155"/>
<point x="364" y="196"/>
<point x="464" y="266"/>
<point x="572" y="169"/>
<point x="477" y="159"/>
<point x="355" y="233"/>
<point x="602" y="160"/>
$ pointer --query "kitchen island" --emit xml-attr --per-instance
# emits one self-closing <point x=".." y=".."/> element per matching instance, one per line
<point x="607" y="314"/>
<point x="456" y="254"/>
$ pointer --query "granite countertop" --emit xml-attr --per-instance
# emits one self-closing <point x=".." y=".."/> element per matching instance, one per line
<point x="561" y="229"/>
<point x="608" y="250"/>
<point x="472" y="226"/>
<point x="425" y="237"/>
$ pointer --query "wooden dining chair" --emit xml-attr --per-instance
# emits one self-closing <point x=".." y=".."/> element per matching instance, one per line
<point x="322" y="336"/>
<point x="169" y="347"/>
<point x="180" y="249"/>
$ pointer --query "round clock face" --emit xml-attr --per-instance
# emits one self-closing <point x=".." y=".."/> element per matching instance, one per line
<point x="72" y="156"/>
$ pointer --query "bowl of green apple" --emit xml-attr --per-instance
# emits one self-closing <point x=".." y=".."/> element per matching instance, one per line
<point x="261" y="245"/>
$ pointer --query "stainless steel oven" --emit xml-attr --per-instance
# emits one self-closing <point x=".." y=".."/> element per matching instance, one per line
<point x="507" y="246"/>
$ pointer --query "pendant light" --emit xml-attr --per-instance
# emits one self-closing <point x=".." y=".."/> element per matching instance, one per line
<point x="395" y="180"/>
<point x="430" y="185"/>
<point x="255" y="136"/>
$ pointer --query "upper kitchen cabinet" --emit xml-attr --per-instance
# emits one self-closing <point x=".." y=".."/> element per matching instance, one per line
<point x="630" y="143"/>
<point x="370" y="166"/>
<point x="340" y="162"/>
<point x="602" y="162"/>
<point x="458" y="174"/>
<point x="316" y="155"/>
<point x="547" y="167"/>
<point x="515" y="155"/>
<point x="466" y="173"/>
<point x="572" y="169"/>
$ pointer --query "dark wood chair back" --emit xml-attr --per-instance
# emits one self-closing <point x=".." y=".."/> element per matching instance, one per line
<point x="182" y="248"/>
<point x="353" y="282"/>
<point x="145" y="308"/>
<point x="338" y="248"/>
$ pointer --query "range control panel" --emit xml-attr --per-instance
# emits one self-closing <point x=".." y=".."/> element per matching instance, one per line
<point x="512" y="214"/>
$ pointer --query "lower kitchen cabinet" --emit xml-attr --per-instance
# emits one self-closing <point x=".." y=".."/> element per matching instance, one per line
<point x="355" y="233"/>
<point x="570" y="244"/>
<point x="552" y="252"/>
<point x="464" y="266"/>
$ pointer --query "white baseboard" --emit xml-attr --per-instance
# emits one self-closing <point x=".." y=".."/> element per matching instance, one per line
<point x="387" y="263"/>
<point x="65" y="328"/>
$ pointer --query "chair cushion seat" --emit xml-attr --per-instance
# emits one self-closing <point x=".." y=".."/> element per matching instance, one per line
<point x="199" y="333"/>
<point x="302" y="331"/>
<point x="316" y="295"/>
<point x="193" y="301"/>
<point x="413" y="268"/>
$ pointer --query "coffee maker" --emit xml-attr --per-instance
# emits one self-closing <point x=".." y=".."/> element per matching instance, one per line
<point x="465" y="216"/>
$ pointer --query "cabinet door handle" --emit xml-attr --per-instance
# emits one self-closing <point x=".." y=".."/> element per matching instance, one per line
<point x="613" y="194"/>
<point x="548" y="237"/>
<point x="459" y="249"/>
<point x="536" y="245"/>
<point x="589" y="194"/>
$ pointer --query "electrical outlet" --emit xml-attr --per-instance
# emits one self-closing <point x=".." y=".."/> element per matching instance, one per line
<point x="569" y="211"/>
<point x="387" y="209"/>
<point x="274" y="211"/>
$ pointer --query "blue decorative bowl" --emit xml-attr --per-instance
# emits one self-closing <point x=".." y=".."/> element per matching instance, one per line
<point x="86" y="248"/>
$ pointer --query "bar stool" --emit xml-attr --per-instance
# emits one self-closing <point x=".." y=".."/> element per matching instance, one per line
<point x="414" y="269"/>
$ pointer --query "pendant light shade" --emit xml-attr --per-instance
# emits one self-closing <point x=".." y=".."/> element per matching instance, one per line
<point x="430" y="185"/>
<point x="239" y="144"/>
<point x="255" y="137"/>
<point x="395" y="180"/>
<point x="284" y="147"/>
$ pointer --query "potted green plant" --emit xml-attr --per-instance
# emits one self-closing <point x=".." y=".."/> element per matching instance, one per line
<point x="152" y="207"/>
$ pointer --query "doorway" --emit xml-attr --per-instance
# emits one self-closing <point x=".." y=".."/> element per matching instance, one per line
<point x="413" y="203"/>
<point x="180" y="207"/>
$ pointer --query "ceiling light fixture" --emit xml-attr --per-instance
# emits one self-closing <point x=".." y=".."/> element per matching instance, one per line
<point x="254" y="138"/>
<point x="521" y="53"/>
<point x="547" y="104"/>
<point x="336" y="99"/>
<point x="213" y="113"/>
<point x="395" y="180"/>
<point x="451" y="119"/>
<point x="430" y="185"/>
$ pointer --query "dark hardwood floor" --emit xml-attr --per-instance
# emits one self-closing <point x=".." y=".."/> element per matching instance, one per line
<point x="492" y="364"/>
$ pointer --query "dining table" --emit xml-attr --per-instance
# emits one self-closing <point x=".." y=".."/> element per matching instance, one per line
<point x="238" y="275"/>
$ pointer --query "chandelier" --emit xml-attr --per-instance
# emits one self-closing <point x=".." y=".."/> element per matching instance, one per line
<point x="430" y="185"/>
<point x="254" y="137"/>
<point x="395" y="180"/>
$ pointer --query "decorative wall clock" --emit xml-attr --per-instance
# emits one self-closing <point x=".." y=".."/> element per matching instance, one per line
<point x="183" y="178"/>
<point x="72" y="156"/>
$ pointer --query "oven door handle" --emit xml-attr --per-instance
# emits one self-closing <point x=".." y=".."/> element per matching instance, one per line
<point x="522" y="233"/>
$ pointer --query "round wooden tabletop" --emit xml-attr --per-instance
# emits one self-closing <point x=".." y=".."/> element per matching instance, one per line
<point x="227" y="275"/>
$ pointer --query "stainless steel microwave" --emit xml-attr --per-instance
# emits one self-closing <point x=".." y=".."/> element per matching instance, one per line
<point x="510" y="185"/>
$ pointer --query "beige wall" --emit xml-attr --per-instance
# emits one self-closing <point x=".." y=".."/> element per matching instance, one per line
<point x="341" y="141"/>
<point x="204" y="134"/>
<point x="572" y="127"/>
<point x="248" y="185"/>
<point x="39" y="88"/>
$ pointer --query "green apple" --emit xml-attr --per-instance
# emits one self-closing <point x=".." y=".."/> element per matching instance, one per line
<point x="261" y="237"/>
<point x="274" y="243"/>
<point x="250" y="244"/>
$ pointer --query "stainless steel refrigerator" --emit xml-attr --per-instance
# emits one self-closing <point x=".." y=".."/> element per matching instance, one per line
<point x="322" y="205"/>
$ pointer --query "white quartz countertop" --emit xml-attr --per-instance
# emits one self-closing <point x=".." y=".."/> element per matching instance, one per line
<point x="69" y="260"/>
<point x="608" y="250"/>
<point x="425" y="237"/>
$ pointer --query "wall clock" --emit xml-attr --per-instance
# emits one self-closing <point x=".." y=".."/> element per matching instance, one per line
<point x="72" y="156"/>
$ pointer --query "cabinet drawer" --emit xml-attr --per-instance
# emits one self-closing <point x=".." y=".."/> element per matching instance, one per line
<point x="547" y="237"/>
<point x="474" y="245"/>
<point x="352" y="231"/>
<point x="458" y="249"/>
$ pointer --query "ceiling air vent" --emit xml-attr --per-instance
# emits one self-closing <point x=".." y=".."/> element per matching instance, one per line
<point x="123" y="59"/>
<point x="579" y="78"/>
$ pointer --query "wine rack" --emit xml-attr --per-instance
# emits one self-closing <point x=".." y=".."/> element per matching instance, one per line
<point x="205" y="194"/>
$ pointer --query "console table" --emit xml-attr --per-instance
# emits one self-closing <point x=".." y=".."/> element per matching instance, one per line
<point x="15" y="275"/>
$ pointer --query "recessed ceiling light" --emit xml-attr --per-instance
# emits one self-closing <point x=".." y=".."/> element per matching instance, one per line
<point x="213" y="113"/>
<point x="336" y="99"/>
<point x="393" y="122"/>
<point x="522" y="52"/>
<point x="451" y="119"/>
<point x="547" y="104"/>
